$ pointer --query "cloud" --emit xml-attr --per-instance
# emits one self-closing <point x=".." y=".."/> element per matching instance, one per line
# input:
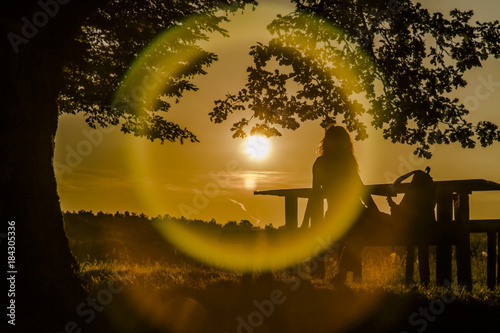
<point x="257" y="221"/>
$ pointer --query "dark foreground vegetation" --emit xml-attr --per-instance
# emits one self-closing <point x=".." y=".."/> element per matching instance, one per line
<point x="138" y="282"/>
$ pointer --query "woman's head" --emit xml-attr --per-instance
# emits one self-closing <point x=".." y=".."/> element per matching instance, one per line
<point x="336" y="141"/>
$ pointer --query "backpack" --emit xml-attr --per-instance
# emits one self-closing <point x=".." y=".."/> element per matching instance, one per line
<point x="416" y="209"/>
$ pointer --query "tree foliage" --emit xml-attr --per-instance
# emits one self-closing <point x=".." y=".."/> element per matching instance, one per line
<point x="404" y="63"/>
<point x="113" y="37"/>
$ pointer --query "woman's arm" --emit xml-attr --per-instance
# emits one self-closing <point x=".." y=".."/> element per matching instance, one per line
<point x="367" y="198"/>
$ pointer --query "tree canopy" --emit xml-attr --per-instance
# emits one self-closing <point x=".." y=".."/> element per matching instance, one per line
<point x="328" y="57"/>
<point x="114" y="36"/>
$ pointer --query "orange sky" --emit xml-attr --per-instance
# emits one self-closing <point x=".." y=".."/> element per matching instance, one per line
<point x="116" y="172"/>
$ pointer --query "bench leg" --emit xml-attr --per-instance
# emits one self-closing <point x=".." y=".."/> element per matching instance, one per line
<point x="349" y="260"/>
<point x="464" y="269"/>
<point x="492" y="260"/>
<point x="498" y="260"/>
<point x="423" y="264"/>
<point x="410" y="260"/>
<point x="357" y="270"/>
<point x="444" y="212"/>
<point x="353" y="261"/>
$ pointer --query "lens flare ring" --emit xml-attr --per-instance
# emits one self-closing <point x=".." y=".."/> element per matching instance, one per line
<point x="152" y="72"/>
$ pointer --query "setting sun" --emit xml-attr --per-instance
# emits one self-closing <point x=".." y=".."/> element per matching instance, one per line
<point x="257" y="147"/>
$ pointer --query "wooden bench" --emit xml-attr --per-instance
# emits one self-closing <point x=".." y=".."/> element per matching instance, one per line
<point x="453" y="226"/>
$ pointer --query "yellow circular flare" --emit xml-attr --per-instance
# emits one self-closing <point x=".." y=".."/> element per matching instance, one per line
<point x="150" y="77"/>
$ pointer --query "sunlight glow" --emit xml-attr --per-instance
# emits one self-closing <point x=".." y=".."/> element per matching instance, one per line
<point x="257" y="147"/>
<point x="250" y="182"/>
<point x="150" y="76"/>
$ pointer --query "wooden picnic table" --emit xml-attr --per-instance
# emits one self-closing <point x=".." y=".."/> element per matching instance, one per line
<point x="453" y="225"/>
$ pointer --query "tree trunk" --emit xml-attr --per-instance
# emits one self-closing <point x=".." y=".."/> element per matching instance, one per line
<point x="47" y="290"/>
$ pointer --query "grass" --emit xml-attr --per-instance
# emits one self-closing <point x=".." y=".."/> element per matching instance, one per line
<point x="151" y="274"/>
<point x="182" y="296"/>
<point x="383" y="269"/>
<point x="142" y="284"/>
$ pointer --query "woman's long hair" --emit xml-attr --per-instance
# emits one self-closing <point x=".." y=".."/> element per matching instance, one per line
<point x="337" y="143"/>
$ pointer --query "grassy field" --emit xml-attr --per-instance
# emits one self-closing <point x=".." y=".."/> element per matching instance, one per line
<point x="132" y="288"/>
<point x="161" y="297"/>
<point x="383" y="267"/>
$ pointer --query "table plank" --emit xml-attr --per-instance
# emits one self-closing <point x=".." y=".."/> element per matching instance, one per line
<point x="453" y="186"/>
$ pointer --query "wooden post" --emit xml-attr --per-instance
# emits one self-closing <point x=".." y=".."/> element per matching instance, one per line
<point x="498" y="260"/>
<point x="492" y="259"/>
<point x="423" y="267"/>
<point x="357" y="268"/>
<point x="443" y="250"/>
<point x="291" y="221"/>
<point x="464" y="271"/>
<point x="410" y="262"/>
<point x="316" y="220"/>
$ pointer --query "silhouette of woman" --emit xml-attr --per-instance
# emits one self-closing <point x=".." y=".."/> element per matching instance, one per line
<point x="336" y="178"/>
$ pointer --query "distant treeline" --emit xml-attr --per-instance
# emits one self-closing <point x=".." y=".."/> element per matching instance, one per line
<point x="131" y="236"/>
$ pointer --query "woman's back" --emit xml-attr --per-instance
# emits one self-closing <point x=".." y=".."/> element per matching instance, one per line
<point x="337" y="177"/>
